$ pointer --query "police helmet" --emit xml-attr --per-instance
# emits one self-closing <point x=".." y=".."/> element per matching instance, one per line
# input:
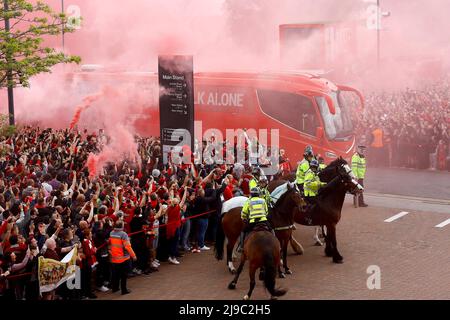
<point x="320" y="158"/>
<point x="314" y="164"/>
<point x="256" y="171"/>
<point x="309" y="152"/>
<point x="361" y="148"/>
<point x="255" y="192"/>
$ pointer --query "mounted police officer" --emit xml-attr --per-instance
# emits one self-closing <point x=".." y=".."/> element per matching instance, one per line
<point x="303" y="167"/>
<point x="322" y="164"/>
<point x="359" y="169"/>
<point x="256" y="173"/>
<point x="312" y="185"/>
<point x="263" y="185"/>
<point x="254" y="212"/>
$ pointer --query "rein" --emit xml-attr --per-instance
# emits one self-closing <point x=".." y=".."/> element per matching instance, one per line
<point x="284" y="228"/>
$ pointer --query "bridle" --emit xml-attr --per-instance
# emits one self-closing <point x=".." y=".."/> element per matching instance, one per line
<point x="297" y="191"/>
<point x="293" y="186"/>
<point x="356" y="186"/>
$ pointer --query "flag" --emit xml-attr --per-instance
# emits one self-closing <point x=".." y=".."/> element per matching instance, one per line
<point x="53" y="273"/>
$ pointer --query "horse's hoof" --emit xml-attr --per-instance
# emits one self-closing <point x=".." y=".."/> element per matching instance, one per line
<point x="318" y="244"/>
<point x="273" y="298"/>
<point x="246" y="297"/>
<point x="232" y="271"/>
<point x="338" y="260"/>
<point x="232" y="286"/>
<point x="288" y="272"/>
<point x="282" y="275"/>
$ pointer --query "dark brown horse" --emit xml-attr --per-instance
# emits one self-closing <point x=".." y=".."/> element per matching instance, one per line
<point x="326" y="211"/>
<point x="262" y="250"/>
<point x="281" y="218"/>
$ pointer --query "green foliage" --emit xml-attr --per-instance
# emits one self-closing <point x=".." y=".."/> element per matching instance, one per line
<point x="22" y="50"/>
<point x="5" y="129"/>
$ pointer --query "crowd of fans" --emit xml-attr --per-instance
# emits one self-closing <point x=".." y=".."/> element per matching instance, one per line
<point x="409" y="128"/>
<point x="50" y="204"/>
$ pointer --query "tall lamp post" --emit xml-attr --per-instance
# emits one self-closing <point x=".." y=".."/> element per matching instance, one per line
<point x="9" y="72"/>
<point x="380" y="14"/>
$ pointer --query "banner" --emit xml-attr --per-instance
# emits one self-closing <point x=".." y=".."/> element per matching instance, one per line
<point x="176" y="107"/>
<point x="53" y="273"/>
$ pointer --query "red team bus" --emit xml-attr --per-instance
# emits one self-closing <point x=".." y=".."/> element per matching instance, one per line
<point x="305" y="108"/>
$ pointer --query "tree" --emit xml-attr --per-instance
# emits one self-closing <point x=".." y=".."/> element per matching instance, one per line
<point x="5" y="129"/>
<point x="23" y="54"/>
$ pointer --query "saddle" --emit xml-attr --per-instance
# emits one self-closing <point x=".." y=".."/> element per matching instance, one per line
<point x="261" y="226"/>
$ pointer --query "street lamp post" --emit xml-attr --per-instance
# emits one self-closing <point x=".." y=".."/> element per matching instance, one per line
<point x="9" y="72"/>
<point x="380" y="15"/>
<point x="378" y="31"/>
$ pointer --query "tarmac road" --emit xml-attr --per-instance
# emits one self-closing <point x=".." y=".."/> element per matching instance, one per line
<point x="411" y="250"/>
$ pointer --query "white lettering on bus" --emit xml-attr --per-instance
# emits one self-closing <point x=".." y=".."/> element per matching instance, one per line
<point x="201" y="95"/>
<point x="225" y="99"/>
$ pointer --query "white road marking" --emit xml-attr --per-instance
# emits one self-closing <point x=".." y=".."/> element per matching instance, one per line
<point x="397" y="216"/>
<point x="443" y="224"/>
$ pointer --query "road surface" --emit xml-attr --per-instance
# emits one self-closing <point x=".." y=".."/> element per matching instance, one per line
<point x="405" y="236"/>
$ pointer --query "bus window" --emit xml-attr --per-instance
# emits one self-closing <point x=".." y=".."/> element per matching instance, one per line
<point x="291" y="109"/>
<point x="338" y="126"/>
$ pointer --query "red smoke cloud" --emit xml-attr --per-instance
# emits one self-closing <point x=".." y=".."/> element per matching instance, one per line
<point x="222" y="35"/>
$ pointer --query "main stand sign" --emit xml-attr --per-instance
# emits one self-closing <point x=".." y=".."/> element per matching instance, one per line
<point x="176" y="107"/>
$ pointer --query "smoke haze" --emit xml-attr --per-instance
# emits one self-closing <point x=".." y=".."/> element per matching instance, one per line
<point x="226" y="35"/>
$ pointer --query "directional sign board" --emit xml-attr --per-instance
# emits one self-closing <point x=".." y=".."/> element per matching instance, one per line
<point x="176" y="106"/>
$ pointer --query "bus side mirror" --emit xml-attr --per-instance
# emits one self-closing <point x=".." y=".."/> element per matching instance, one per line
<point x="319" y="133"/>
<point x="330" y="103"/>
<point x="359" y="94"/>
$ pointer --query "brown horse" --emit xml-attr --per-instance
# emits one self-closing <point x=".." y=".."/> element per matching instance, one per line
<point x="319" y="230"/>
<point x="262" y="250"/>
<point x="281" y="218"/>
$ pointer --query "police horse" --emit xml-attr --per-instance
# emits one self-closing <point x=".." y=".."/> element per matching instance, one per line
<point x="281" y="218"/>
<point x="327" y="207"/>
<point x="262" y="250"/>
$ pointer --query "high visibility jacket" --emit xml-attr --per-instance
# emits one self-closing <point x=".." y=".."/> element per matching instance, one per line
<point x="322" y="166"/>
<point x="359" y="166"/>
<point x="253" y="184"/>
<point x="119" y="247"/>
<point x="255" y="209"/>
<point x="312" y="184"/>
<point x="265" y="194"/>
<point x="302" y="168"/>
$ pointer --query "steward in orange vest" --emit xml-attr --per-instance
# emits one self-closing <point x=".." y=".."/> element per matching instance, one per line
<point x="120" y="251"/>
<point x="120" y="246"/>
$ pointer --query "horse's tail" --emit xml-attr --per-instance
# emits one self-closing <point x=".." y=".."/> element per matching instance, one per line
<point x="270" y="274"/>
<point x="220" y="241"/>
